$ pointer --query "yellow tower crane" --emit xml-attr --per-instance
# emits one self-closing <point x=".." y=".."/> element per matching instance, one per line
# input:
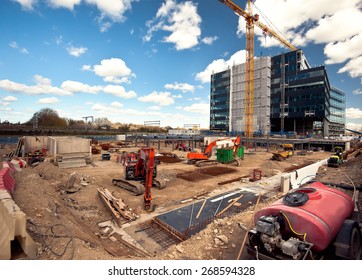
<point x="252" y="20"/>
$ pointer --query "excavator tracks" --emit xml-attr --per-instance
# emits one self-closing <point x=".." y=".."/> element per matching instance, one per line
<point x="137" y="189"/>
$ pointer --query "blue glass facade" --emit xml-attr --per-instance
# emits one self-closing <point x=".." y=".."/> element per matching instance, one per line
<point x="301" y="98"/>
<point x="220" y="101"/>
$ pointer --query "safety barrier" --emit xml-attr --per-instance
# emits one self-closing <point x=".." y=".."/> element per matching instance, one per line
<point x="7" y="181"/>
<point x="13" y="220"/>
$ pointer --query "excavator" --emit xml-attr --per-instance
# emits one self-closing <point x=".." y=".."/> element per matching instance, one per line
<point x="203" y="158"/>
<point x="142" y="169"/>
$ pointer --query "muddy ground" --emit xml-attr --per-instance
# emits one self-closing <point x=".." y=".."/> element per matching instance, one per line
<point x="65" y="213"/>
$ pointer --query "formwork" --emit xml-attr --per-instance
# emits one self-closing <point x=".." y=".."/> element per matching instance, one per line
<point x="178" y="225"/>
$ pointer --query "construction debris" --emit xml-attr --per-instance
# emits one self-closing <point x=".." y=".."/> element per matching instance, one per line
<point x="117" y="207"/>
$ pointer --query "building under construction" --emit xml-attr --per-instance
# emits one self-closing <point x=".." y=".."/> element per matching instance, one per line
<point x="290" y="96"/>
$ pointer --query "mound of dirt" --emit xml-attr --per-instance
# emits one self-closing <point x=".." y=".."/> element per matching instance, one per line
<point x="64" y="224"/>
<point x="168" y="158"/>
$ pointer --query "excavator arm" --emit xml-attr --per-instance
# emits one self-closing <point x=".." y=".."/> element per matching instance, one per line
<point x="148" y="154"/>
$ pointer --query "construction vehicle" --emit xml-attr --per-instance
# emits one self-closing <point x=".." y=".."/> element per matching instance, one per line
<point x="203" y="158"/>
<point x="284" y="154"/>
<point x="311" y="222"/>
<point x="182" y="147"/>
<point x="137" y="167"/>
<point x="252" y="20"/>
<point x="337" y="158"/>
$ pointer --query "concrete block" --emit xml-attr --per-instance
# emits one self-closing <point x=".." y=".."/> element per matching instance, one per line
<point x="285" y="183"/>
<point x="13" y="226"/>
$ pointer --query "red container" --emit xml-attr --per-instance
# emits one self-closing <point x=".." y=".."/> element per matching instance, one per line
<point x="318" y="220"/>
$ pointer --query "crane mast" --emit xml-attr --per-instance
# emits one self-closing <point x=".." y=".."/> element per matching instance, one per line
<point x="252" y="20"/>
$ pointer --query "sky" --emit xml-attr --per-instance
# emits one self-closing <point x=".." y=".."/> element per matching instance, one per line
<point x="135" y="61"/>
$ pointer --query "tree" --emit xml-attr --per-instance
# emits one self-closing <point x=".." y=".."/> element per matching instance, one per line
<point x="47" y="117"/>
<point x="102" y="121"/>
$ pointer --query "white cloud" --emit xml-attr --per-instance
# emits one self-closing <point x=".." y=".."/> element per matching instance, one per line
<point x="15" y="45"/>
<point x="184" y="87"/>
<point x="76" y="51"/>
<point x="201" y="108"/>
<point x="48" y="100"/>
<point x="42" y="86"/>
<point x="220" y="65"/>
<point x="166" y="8"/>
<point x="338" y="24"/>
<point x="181" y="20"/>
<point x="341" y="51"/>
<point x="73" y="86"/>
<point x="112" y="8"/>
<point x="87" y="68"/>
<point x="111" y="11"/>
<point x="10" y="98"/>
<point x="298" y="18"/>
<point x="177" y="96"/>
<point x="115" y="112"/>
<point x="354" y="126"/>
<point x="26" y="4"/>
<point x="112" y="70"/>
<point x="154" y="108"/>
<point x="68" y="4"/>
<point x="119" y="91"/>
<point x="160" y="98"/>
<point x="353" y="67"/>
<point x="209" y="40"/>
<point x="357" y="91"/>
<point x="353" y="113"/>
<point x="116" y="104"/>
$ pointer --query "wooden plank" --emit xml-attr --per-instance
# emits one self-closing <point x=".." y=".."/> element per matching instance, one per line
<point x="231" y="204"/>
<point x="202" y="207"/>
<point x="250" y="224"/>
<point x="115" y="214"/>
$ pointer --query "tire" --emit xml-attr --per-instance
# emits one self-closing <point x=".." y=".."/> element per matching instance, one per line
<point x="355" y="244"/>
<point x="348" y="243"/>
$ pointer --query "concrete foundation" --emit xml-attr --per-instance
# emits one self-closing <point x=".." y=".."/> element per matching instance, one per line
<point x="189" y="220"/>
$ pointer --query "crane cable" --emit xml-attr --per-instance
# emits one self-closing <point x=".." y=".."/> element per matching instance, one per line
<point x="269" y="22"/>
<point x="291" y="228"/>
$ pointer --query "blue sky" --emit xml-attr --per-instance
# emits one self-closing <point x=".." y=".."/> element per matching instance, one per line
<point x="144" y="60"/>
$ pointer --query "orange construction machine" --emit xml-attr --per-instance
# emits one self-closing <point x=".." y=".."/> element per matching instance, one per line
<point x="203" y="158"/>
<point x="142" y="168"/>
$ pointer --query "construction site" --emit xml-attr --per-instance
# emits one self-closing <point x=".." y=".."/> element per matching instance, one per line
<point x="238" y="192"/>
<point x="69" y="198"/>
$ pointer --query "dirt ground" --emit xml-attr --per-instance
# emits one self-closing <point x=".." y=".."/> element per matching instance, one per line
<point x="65" y="213"/>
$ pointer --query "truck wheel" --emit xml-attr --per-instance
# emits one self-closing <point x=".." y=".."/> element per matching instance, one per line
<point x="348" y="243"/>
<point x="355" y="246"/>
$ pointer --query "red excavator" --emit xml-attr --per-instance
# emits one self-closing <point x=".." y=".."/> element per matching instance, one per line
<point x="143" y="169"/>
<point x="202" y="159"/>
